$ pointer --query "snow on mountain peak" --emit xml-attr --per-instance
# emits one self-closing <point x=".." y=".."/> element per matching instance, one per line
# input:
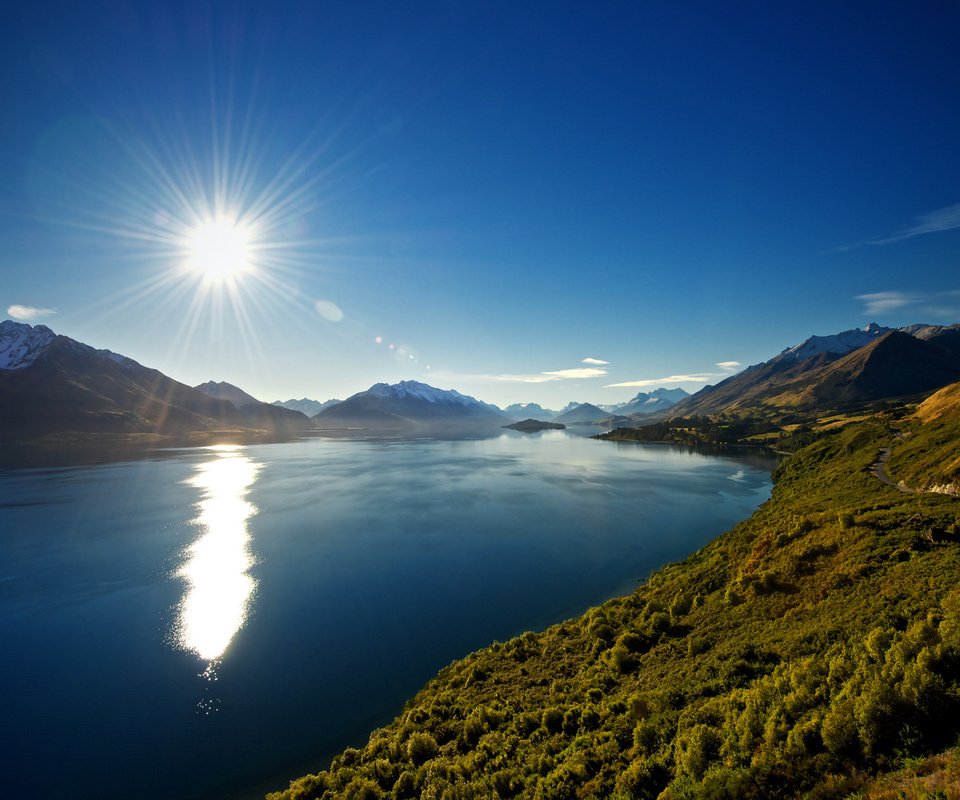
<point x="838" y="344"/>
<point x="22" y="344"/>
<point x="422" y="391"/>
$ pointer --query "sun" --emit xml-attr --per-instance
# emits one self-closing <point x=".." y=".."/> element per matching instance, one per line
<point x="220" y="249"/>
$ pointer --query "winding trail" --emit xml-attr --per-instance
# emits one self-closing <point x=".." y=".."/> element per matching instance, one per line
<point x="879" y="469"/>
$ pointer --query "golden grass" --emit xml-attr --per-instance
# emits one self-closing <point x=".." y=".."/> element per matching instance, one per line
<point x="934" y="777"/>
<point x="940" y="403"/>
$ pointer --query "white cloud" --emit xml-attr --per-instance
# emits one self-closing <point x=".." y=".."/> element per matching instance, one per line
<point x="729" y="365"/>
<point x="579" y="373"/>
<point x="598" y="361"/>
<point x="328" y="310"/>
<point x="882" y="302"/>
<point x="29" y="313"/>
<point x="703" y="377"/>
<point x="937" y="304"/>
<point x="941" y="219"/>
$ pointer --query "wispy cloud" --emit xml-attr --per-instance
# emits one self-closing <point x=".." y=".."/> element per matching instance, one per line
<point x="942" y="219"/>
<point x="578" y="373"/>
<point x="938" y="304"/>
<point x="882" y="302"/>
<point x="728" y="367"/>
<point x="29" y="313"/>
<point x="598" y="361"/>
<point x="703" y="377"/>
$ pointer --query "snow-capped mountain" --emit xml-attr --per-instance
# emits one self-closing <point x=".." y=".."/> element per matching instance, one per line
<point x="410" y="405"/>
<point x="651" y="402"/>
<point x="305" y="405"/>
<point x="21" y="344"/>
<point x="838" y="343"/>
<point x="523" y="411"/>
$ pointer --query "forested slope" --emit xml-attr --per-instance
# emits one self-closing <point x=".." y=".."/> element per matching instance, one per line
<point x="812" y="646"/>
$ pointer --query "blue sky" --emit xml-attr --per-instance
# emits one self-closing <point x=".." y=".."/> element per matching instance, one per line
<point x="490" y="197"/>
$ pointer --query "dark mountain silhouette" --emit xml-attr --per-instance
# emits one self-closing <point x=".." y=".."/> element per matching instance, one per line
<point x="65" y="387"/>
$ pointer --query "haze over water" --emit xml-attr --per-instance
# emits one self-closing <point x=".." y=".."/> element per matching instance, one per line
<point x="220" y="620"/>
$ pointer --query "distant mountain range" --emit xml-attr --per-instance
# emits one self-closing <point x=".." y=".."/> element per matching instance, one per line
<point x="306" y="406"/>
<point x="522" y="411"/>
<point x="411" y="406"/>
<point x="855" y="366"/>
<point x="650" y="402"/>
<point x="581" y="414"/>
<point x="52" y="386"/>
<point x="642" y="404"/>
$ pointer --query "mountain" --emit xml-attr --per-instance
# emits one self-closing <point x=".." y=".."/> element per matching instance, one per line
<point x="581" y="414"/>
<point x="650" y="402"/>
<point x="255" y="412"/>
<point x="227" y="391"/>
<point x="306" y="406"/>
<point x="411" y="406"/>
<point x="52" y="386"/>
<point x="836" y="344"/>
<point x="851" y="367"/>
<point x="522" y="411"/>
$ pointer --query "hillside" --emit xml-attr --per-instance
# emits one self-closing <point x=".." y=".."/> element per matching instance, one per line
<point x="926" y="455"/>
<point x="255" y="413"/>
<point x="853" y="367"/>
<point x="57" y="391"/>
<point x="227" y="391"/>
<point x="813" y="645"/>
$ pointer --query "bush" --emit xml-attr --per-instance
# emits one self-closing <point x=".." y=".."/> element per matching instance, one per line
<point x="421" y="747"/>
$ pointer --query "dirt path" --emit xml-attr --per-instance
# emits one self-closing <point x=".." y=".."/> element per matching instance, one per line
<point x="879" y="469"/>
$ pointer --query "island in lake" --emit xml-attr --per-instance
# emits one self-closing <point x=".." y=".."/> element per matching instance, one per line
<point x="534" y="425"/>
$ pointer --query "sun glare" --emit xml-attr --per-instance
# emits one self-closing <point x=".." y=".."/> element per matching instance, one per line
<point x="220" y="249"/>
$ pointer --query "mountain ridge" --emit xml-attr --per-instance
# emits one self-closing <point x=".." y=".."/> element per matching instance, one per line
<point x="410" y="406"/>
<point x="54" y="387"/>
<point x="826" y="371"/>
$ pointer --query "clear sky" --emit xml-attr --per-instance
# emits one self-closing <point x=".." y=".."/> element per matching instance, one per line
<point x="522" y="201"/>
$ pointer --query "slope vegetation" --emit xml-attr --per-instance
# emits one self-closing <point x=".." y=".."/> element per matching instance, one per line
<point x="927" y="455"/>
<point x="812" y="646"/>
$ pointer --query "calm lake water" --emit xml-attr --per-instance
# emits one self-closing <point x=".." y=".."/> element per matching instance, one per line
<point x="218" y="621"/>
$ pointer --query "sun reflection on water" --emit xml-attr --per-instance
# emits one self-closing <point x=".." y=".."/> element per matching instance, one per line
<point x="216" y="566"/>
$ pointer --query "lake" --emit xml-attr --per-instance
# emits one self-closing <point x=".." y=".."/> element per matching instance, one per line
<point x="214" y="622"/>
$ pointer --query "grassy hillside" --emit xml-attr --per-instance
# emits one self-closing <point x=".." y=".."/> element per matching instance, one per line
<point x="927" y="456"/>
<point x="812" y="646"/>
